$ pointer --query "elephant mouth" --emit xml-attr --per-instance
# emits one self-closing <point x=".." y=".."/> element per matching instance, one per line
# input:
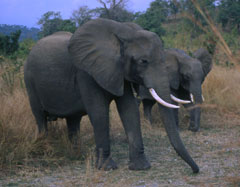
<point x="164" y="103"/>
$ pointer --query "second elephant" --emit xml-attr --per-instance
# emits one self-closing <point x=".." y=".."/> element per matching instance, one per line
<point x="186" y="75"/>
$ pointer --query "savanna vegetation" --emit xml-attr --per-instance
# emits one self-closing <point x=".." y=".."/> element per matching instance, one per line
<point x="27" y="160"/>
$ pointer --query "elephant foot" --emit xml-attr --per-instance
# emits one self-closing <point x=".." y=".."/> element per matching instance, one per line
<point x="106" y="164"/>
<point x="193" y="128"/>
<point x="140" y="163"/>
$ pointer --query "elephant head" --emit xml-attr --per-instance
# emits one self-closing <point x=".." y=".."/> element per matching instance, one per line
<point x="113" y="52"/>
<point x="186" y="76"/>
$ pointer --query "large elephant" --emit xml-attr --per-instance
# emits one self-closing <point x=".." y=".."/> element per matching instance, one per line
<point x="69" y="76"/>
<point x="186" y="75"/>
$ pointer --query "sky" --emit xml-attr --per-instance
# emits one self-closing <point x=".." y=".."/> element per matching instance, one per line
<point x="28" y="12"/>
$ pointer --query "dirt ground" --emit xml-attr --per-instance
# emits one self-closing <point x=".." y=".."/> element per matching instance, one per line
<point x="215" y="148"/>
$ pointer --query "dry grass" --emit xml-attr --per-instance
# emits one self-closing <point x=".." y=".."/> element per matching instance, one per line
<point x="19" y="144"/>
<point x="16" y="130"/>
<point x="222" y="89"/>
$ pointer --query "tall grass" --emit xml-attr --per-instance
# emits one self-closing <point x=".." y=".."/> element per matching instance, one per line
<point x="222" y="89"/>
<point x="19" y="143"/>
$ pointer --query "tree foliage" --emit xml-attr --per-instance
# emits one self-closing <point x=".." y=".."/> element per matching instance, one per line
<point x="82" y="15"/>
<point x="25" y="31"/>
<point x="115" y="10"/>
<point x="229" y="14"/>
<point x="9" y="43"/>
<point x="153" y="18"/>
<point x="51" y="22"/>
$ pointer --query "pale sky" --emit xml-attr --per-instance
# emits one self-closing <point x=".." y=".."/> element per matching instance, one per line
<point x="28" y="12"/>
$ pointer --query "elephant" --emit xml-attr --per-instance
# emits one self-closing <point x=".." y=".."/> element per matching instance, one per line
<point x="69" y="76"/>
<point x="186" y="76"/>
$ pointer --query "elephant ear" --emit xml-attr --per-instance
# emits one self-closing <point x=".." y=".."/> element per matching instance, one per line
<point x="172" y="68"/>
<point x="179" y="67"/>
<point x="205" y="58"/>
<point x="97" y="47"/>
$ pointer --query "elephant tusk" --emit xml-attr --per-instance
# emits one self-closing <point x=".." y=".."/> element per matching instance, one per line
<point x="159" y="100"/>
<point x="203" y="98"/>
<point x="192" y="98"/>
<point x="179" y="100"/>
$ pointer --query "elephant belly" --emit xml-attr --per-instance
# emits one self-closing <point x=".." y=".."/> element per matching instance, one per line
<point x="60" y="99"/>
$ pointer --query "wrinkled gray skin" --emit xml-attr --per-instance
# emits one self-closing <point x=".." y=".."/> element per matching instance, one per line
<point x="69" y="76"/>
<point x="186" y="75"/>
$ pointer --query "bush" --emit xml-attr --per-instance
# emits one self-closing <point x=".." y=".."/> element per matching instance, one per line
<point x="24" y="48"/>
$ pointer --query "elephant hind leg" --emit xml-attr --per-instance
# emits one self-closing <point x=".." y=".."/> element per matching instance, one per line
<point x="36" y="106"/>
<point x="73" y="124"/>
<point x="39" y="114"/>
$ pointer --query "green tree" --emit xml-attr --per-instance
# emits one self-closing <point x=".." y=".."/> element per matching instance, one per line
<point x="52" y="22"/>
<point x="68" y="25"/>
<point x="115" y="10"/>
<point x="206" y="5"/>
<point x="193" y="21"/>
<point x="153" y="18"/>
<point x="173" y="8"/>
<point x="25" y="31"/>
<point x="82" y="15"/>
<point x="25" y="47"/>
<point x="229" y="14"/>
<point x="9" y="43"/>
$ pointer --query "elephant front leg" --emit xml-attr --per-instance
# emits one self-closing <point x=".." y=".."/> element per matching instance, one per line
<point x="99" y="118"/>
<point x="96" y="102"/>
<point x="129" y="114"/>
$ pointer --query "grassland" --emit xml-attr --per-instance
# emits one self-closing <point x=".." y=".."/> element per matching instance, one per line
<point x="26" y="160"/>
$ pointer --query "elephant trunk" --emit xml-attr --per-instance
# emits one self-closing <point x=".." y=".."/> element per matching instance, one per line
<point x="195" y="109"/>
<point x="175" y="140"/>
<point x="171" y="128"/>
<point x="161" y="86"/>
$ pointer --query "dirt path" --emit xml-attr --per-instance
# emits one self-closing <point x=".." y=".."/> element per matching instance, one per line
<point x="216" y="149"/>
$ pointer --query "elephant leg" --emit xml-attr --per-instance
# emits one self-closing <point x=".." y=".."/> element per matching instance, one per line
<point x="73" y="124"/>
<point x="41" y="119"/>
<point x="147" y="108"/>
<point x="99" y="118"/>
<point x="39" y="114"/>
<point x="96" y="102"/>
<point x="129" y="114"/>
